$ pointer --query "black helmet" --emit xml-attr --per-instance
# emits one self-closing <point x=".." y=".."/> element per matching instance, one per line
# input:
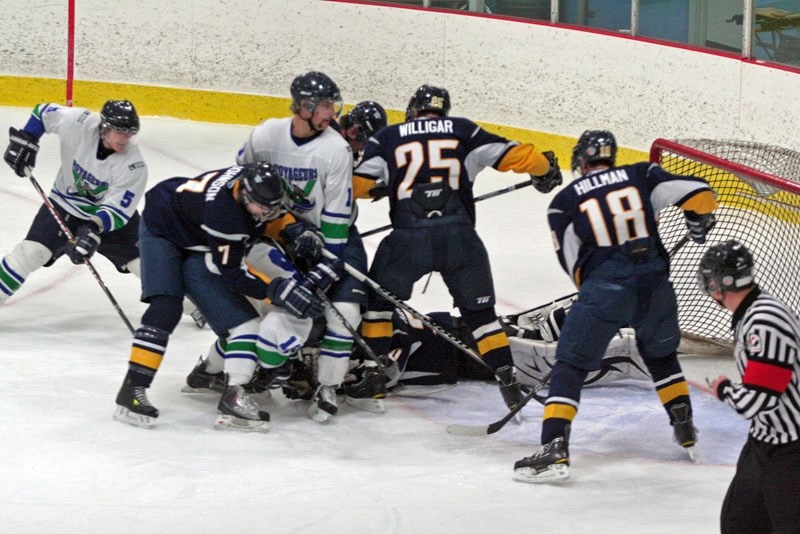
<point x="261" y="183"/>
<point x="724" y="267"/>
<point x="311" y="88"/>
<point x="592" y="147"/>
<point x="119" y="115"/>
<point x="429" y="98"/>
<point x="368" y="117"/>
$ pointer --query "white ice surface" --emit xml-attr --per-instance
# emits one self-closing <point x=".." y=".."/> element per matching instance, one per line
<point x="66" y="466"/>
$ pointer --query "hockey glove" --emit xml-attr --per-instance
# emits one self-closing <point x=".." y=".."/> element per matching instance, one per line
<point x="699" y="225"/>
<point x="303" y="241"/>
<point x="21" y="152"/>
<point x="552" y="179"/>
<point x="379" y="191"/>
<point x="326" y="273"/>
<point x="84" y="244"/>
<point x="295" y="297"/>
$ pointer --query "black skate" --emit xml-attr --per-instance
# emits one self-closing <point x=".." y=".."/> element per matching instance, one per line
<point x="549" y="464"/>
<point x="200" y="381"/>
<point x="266" y="378"/>
<point x="301" y="384"/>
<point x="323" y="405"/>
<point x="368" y="392"/>
<point x="133" y="406"/>
<point x="684" y="430"/>
<point x="510" y="388"/>
<point x="237" y="410"/>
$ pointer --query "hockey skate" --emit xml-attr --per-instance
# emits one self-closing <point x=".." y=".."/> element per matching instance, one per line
<point x="368" y="392"/>
<point x="323" y="405"/>
<point x="238" y="411"/>
<point x="133" y="406"/>
<point x="549" y="464"/>
<point x="266" y="378"/>
<point x="199" y="381"/>
<point x="510" y="388"/>
<point x="684" y="430"/>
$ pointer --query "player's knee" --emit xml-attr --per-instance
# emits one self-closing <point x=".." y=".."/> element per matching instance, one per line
<point x="164" y="312"/>
<point x="28" y="256"/>
<point x="248" y="328"/>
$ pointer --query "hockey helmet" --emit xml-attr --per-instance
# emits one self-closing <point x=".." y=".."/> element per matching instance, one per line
<point x="119" y="115"/>
<point x="429" y="99"/>
<point x="367" y="117"/>
<point x="261" y="183"/>
<point x="312" y="88"/>
<point x="725" y="266"/>
<point x="594" y="146"/>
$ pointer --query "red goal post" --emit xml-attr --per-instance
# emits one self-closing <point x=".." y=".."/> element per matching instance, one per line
<point x="758" y="191"/>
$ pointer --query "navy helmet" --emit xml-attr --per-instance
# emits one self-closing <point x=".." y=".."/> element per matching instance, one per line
<point x="368" y="117"/>
<point x="594" y="146"/>
<point x="429" y="99"/>
<point x="311" y="88"/>
<point x="119" y="115"/>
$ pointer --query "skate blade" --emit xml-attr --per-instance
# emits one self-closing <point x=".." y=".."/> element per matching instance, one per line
<point x="124" y="415"/>
<point x="317" y="415"/>
<point x="190" y="389"/>
<point x="690" y="452"/>
<point x="231" y="422"/>
<point x="553" y="473"/>
<point x="368" y="405"/>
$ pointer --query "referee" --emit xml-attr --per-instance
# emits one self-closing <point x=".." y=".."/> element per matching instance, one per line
<point x="763" y="495"/>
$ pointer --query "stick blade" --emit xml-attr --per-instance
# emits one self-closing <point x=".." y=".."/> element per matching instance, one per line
<point x="468" y="430"/>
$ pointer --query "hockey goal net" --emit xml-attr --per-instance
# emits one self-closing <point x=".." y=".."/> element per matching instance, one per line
<point x="758" y="191"/>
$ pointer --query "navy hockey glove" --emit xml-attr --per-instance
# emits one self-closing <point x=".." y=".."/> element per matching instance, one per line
<point x="699" y="225"/>
<point x="379" y="191"/>
<point x="552" y="179"/>
<point x="295" y="297"/>
<point x="21" y="152"/>
<point x="84" y="244"/>
<point x="326" y="273"/>
<point x="303" y="242"/>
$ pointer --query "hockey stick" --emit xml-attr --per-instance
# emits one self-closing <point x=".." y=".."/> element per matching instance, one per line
<point x="88" y="263"/>
<point x="477" y="199"/>
<point x="491" y="428"/>
<point x="424" y="319"/>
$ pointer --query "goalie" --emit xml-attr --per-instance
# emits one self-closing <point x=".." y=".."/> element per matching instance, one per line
<point x="419" y="358"/>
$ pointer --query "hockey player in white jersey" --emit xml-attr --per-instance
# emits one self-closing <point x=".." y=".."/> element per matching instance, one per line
<point x="319" y="162"/>
<point x="100" y="182"/>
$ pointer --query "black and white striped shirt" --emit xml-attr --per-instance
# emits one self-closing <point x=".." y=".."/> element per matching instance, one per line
<point x="767" y="352"/>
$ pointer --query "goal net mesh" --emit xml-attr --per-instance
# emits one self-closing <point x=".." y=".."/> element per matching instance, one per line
<point x="758" y="191"/>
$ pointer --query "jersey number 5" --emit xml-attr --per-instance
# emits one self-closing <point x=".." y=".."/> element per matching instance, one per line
<point x="422" y="160"/>
<point x="627" y="221"/>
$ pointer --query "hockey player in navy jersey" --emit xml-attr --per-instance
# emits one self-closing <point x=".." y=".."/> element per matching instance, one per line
<point x="604" y="226"/>
<point x="194" y="235"/>
<point x="429" y="164"/>
<point x="99" y="184"/>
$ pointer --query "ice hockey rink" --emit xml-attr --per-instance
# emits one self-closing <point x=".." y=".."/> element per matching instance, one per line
<point x="68" y="467"/>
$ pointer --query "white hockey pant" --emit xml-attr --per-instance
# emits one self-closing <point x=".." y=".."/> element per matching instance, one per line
<point x="337" y="344"/>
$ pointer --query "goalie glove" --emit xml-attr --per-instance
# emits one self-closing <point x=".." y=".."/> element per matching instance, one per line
<point x="699" y="225"/>
<point x="550" y="180"/>
<point x="84" y="244"/>
<point x="303" y="241"/>
<point x="21" y="152"/>
<point x="325" y="274"/>
<point x="295" y="297"/>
